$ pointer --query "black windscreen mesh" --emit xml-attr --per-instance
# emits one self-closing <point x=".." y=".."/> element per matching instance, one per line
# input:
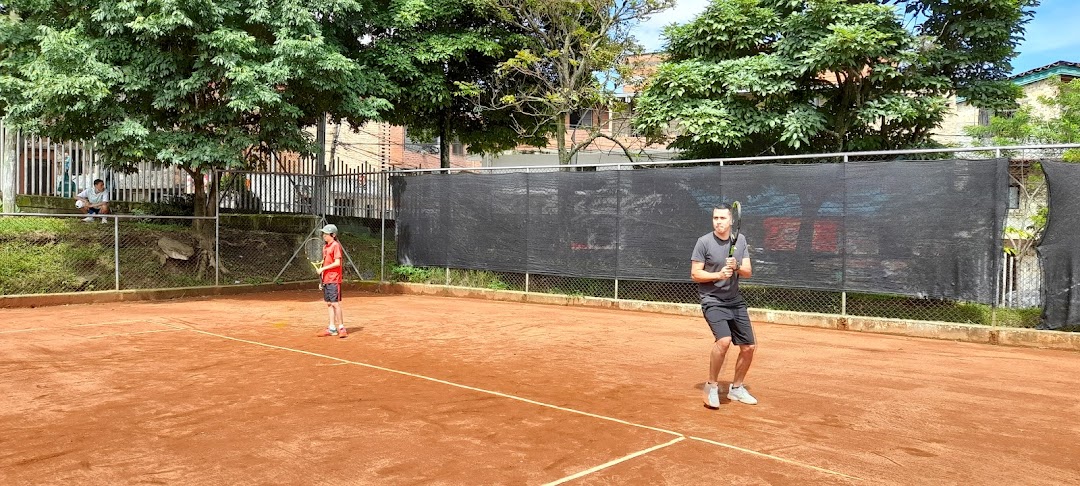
<point x="925" y="228"/>
<point x="496" y="241"/>
<point x="1058" y="251"/>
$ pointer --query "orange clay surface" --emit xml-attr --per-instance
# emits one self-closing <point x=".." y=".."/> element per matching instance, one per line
<point x="434" y="390"/>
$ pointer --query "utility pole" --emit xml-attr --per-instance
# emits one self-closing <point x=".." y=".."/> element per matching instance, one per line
<point x="319" y="204"/>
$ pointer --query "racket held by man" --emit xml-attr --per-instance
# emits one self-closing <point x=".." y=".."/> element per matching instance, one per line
<point x="736" y="220"/>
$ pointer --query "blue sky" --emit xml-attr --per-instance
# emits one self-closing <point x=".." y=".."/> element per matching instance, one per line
<point x="1053" y="35"/>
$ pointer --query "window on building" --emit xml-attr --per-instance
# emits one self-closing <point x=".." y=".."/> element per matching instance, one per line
<point x="1014" y="196"/>
<point x="984" y="117"/>
<point x="420" y="146"/>
<point x="582" y="118"/>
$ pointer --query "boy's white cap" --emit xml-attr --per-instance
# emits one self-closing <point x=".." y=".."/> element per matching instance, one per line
<point x="330" y="229"/>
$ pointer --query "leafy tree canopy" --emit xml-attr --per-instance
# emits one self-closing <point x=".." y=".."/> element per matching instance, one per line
<point x="751" y="77"/>
<point x="575" y="51"/>
<point x="435" y="53"/>
<point x="192" y="83"/>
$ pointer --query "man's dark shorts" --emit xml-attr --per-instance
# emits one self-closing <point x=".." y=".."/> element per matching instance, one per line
<point x="331" y="292"/>
<point x="727" y="321"/>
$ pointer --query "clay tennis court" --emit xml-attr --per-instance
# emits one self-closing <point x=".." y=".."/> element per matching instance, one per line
<point x="436" y="390"/>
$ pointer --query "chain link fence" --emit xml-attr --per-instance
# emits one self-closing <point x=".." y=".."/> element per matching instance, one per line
<point x="1018" y="302"/>
<point x="62" y="253"/>
<point x="250" y="255"/>
<point x="55" y="253"/>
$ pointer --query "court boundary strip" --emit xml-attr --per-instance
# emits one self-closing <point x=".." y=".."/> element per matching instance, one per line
<point x="778" y="458"/>
<point x="678" y="435"/>
<point x="615" y="461"/>
<point x="444" y="382"/>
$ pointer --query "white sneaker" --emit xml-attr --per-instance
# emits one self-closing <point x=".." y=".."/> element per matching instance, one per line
<point x="104" y="220"/>
<point x="741" y="395"/>
<point x="89" y="219"/>
<point x="712" y="396"/>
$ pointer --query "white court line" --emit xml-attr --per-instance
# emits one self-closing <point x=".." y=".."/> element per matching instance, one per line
<point x="76" y="326"/>
<point x="132" y="333"/>
<point x="614" y="462"/>
<point x="436" y="380"/>
<point x="781" y="459"/>
<point x="526" y="400"/>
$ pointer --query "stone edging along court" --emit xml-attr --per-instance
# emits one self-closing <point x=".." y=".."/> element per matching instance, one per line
<point x="971" y="333"/>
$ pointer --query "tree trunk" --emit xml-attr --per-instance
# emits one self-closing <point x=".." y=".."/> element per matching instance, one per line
<point x="444" y="139"/>
<point x="204" y="230"/>
<point x="7" y="168"/>
<point x="560" y="140"/>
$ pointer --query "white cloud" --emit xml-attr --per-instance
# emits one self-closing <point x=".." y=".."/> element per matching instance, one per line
<point x="648" y="33"/>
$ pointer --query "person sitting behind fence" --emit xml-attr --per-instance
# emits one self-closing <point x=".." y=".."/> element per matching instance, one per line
<point x="93" y="200"/>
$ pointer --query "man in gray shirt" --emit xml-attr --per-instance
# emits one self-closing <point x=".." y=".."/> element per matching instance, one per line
<point x="717" y="276"/>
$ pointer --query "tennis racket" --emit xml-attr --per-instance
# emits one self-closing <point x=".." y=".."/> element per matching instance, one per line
<point x="313" y="250"/>
<point x="736" y="220"/>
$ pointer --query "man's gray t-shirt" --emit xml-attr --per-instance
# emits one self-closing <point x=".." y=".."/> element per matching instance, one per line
<point x="713" y="251"/>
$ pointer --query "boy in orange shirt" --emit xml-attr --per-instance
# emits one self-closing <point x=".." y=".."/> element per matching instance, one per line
<point x="331" y="273"/>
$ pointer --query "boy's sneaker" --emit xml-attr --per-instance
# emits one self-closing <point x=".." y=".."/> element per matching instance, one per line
<point x="89" y="219"/>
<point x="712" y="396"/>
<point x="328" y="332"/>
<point x="741" y="395"/>
<point x="104" y="220"/>
<point x="342" y="333"/>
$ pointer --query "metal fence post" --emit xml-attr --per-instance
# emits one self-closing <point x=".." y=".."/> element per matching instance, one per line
<point x="843" y="264"/>
<point x="384" y="183"/>
<point x="217" y="246"/>
<point x="994" y="302"/>
<point x="116" y="252"/>
<point x="618" y="212"/>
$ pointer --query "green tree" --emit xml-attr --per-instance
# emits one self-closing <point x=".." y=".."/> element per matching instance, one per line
<point x="752" y="77"/>
<point x="196" y="84"/>
<point x="435" y="53"/>
<point x="576" y="52"/>
<point x="1053" y="119"/>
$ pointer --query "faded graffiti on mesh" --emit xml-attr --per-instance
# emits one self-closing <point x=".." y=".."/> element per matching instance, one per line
<point x="1058" y="250"/>
<point x="921" y="228"/>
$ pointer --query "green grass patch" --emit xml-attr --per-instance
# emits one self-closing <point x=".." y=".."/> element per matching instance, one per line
<point x="481" y="279"/>
<point x="425" y="275"/>
<point x="33" y="268"/>
<point x="12" y="227"/>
